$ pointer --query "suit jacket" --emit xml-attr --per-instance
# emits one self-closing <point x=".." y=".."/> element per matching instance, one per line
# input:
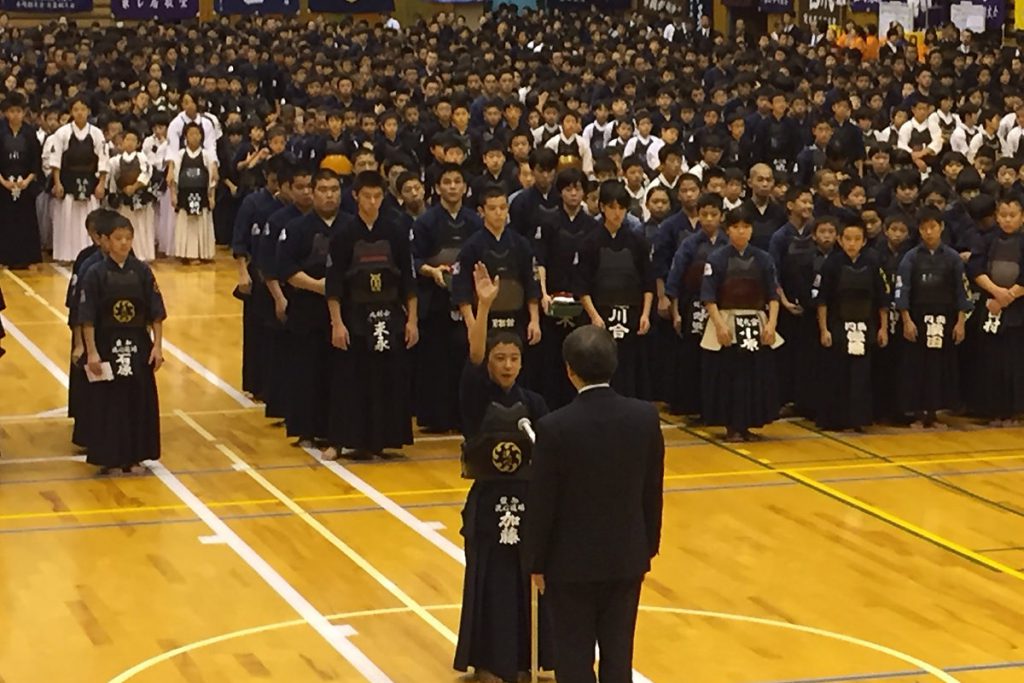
<point x="596" y="494"/>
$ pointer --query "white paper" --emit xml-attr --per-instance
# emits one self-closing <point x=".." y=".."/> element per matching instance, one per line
<point x="106" y="373"/>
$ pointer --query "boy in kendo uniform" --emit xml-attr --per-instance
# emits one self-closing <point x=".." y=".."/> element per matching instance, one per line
<point x="301" y="268"/>
<point x="792" y="249"/>
<point x="853" y="318"/>
<point x="437" y="237"/>
<point x="98" y="224"/>
<point x="371" y="295"/>
<point x="257" y="309"/>
<point x="494" y="629"/>
<point x="507" y="254"/>
<point x="557" y="255"/>
<point x="120" y="306"/>
<point x="996" y="266"/>
<point x="740" y="292"/>
<point x="689" y="316"/>
<point x="931" y="295"/>
<point x="889" y="251"/>
<point x="615" y="283"/>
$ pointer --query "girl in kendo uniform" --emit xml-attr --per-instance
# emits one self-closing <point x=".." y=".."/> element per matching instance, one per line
<point x="494" y="631"/>
<point x="20" y="175"/>
<point x="192" y="178"/>
<point x="130" y="194"/>
<point x="853" y="317"/>
<point x="739" y="291"/>
<point x="996" y="266"/>
<point x="79" y="171"/>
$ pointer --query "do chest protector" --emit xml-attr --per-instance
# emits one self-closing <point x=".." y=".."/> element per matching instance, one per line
<point x="123" y="300"/>
<point x="499" y="450"/>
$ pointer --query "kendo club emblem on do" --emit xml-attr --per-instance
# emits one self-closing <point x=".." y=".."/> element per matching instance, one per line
<point x="376" y="284"/>
<point x="506" y="457"/>
<point x="124" y="311"/>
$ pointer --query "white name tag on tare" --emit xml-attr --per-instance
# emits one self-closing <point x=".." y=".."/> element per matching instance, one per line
<point x="106" y="373"/>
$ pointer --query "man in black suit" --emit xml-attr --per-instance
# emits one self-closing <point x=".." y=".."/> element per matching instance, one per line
<point x="595" y="505"/>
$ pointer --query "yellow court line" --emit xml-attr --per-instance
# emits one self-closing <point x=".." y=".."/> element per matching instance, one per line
<point x="15" y="419"/>
<point x="427" y="492"/>
<point x="909" y="527"/>
<point x="840" y="466"/>
<point x="931" y="669"/>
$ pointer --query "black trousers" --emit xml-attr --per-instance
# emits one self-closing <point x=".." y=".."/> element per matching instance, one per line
<point x="602" y="612"/>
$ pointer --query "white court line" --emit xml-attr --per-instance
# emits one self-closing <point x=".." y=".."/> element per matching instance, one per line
<point x="35" y="351"/>
<point x="387" y="504"/>
<point x="325" y="533"/>
<point x="335" y="637"/>
<point x="55" y="412"/>
<point x="422" y="528"/>
<point x="31" y="461"/>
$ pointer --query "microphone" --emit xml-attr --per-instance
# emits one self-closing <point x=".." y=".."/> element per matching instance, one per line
<point x="526" y="427"/>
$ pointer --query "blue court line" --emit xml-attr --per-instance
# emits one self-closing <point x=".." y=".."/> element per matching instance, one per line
<point x="966" y="668"/>
<point x="373" y="508"/>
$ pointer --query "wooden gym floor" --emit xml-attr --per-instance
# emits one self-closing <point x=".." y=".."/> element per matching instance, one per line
<point x="818" y="557"/>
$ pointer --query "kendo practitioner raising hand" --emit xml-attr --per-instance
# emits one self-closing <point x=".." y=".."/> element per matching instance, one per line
<point x="371" y="294"/>
<point x="494" y="634"/>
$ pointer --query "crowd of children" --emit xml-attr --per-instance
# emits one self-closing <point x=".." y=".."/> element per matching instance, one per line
<point x="791" y="224"/>
<point x="879" y="193"/>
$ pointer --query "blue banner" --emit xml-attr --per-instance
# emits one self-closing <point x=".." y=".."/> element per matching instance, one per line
<point x="995" y="14"/>
<point x="155" y="9"/>
<point x="775" y="6"/>
<point x="263" y="7"/>
<point x="351" y="6"/>
<point x="591" y="5"/>
<point x="49" y="6"/>
<point x="864" y="5"/>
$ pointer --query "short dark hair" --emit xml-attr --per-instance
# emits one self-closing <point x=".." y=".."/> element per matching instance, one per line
<point x="328" y="174"/>
<point x="568" y="177"/>
<point x="591" y="353"/>
<point x="364" y="179"/>
<point x="491" y="191"/>
<point x="404" y="178"/>
<point x="101" y="221"/>
<point x="613" y="192"/>
<point x="498" y="337"/>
